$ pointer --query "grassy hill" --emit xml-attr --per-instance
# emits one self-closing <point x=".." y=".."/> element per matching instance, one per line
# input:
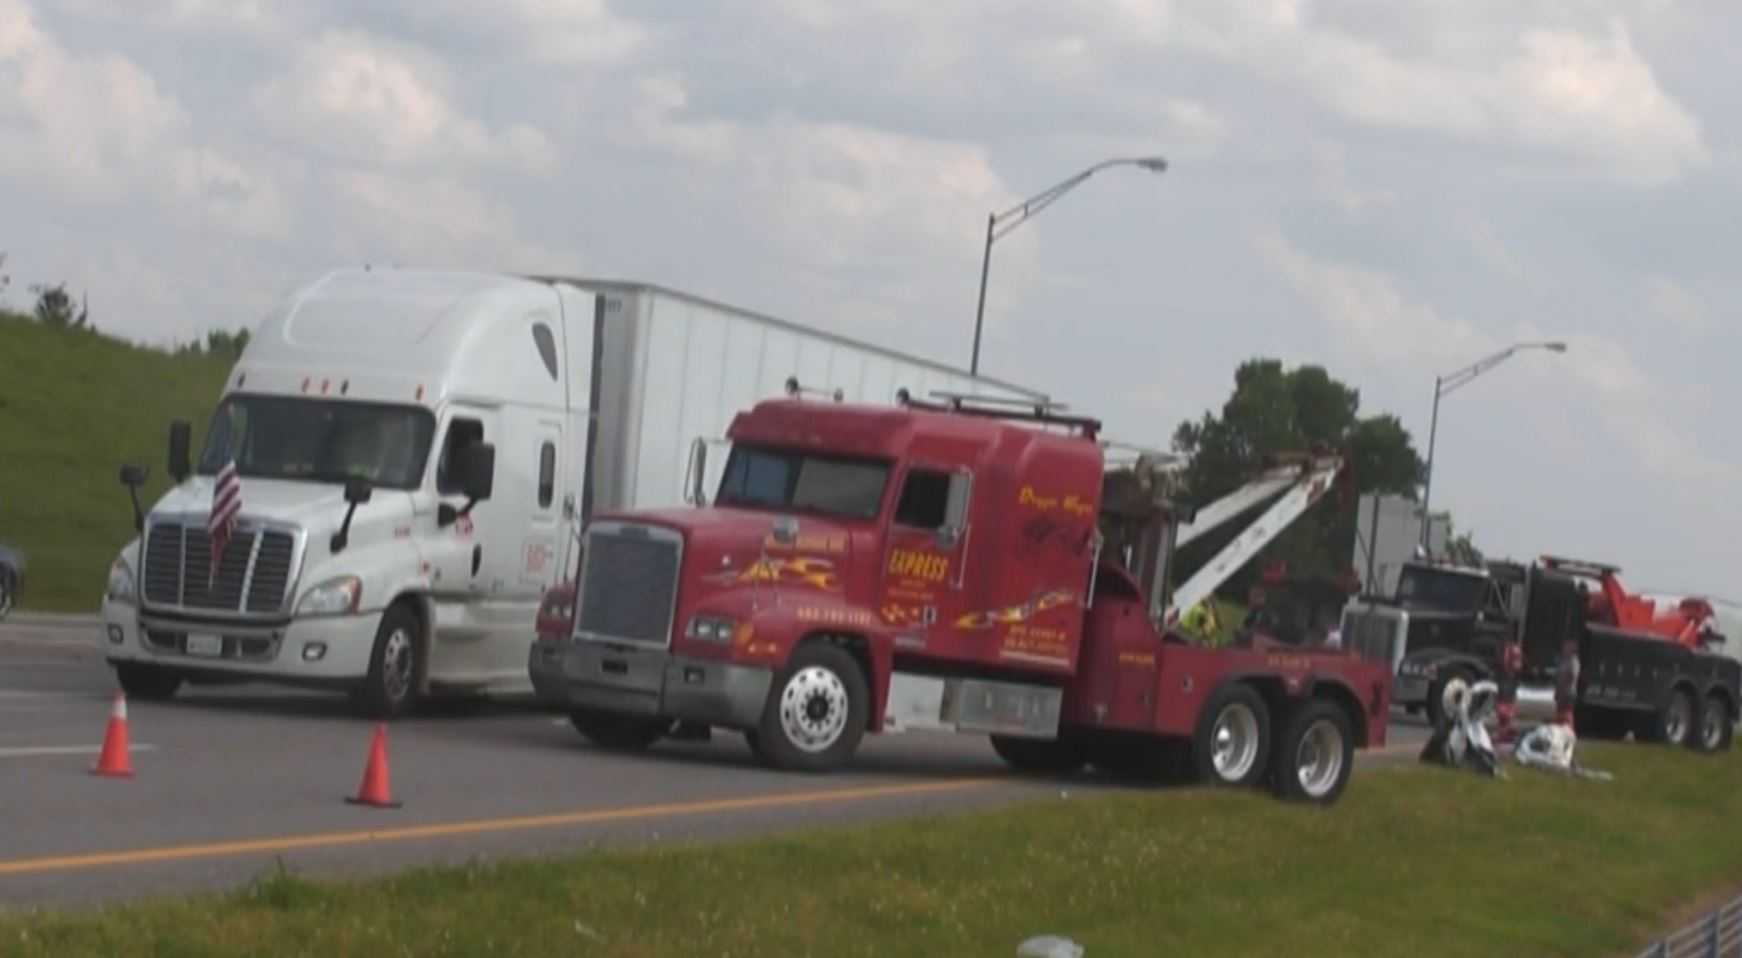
<point x="75" y="405"/>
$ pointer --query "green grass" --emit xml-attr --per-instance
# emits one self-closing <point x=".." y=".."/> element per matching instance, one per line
<point x="73" y="407"/>
<point x="1415" y="861"/>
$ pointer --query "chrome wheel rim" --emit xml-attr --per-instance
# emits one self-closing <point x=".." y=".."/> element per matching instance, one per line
<point x="1319" y="758"/>
<point x="396" y="662"/>
<point x="1234" y="742"/>
<point x="1712" y="729"/>
<point x="813" y="709"/>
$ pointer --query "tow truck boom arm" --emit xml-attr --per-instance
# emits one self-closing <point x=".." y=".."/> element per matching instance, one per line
<point x="1305" y="485"/>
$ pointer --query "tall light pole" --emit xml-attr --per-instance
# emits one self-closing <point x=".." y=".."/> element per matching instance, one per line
<point x="1447" y="383"/>
<point x="999" y="224"/>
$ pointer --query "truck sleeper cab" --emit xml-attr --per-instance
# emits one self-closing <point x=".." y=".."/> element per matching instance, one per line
<point x="875" y="569"/>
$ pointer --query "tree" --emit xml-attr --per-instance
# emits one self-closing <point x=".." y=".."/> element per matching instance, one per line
<point x="1274" y="410"/>
<point x="54" y="307"/>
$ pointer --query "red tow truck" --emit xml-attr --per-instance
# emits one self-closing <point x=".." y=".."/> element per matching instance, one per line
<point x="956" y="564"/>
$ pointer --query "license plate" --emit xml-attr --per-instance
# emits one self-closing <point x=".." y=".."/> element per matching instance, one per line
<point x="209" y="645"/>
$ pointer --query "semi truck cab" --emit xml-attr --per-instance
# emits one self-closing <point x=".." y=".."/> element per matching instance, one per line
<point x="848" y="551"/>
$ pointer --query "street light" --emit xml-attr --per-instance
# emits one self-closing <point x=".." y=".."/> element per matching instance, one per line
<point x="1447" y="383"/>
<point x="996" y="227"/>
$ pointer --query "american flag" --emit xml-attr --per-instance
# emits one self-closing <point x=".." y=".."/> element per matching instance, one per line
<point x="226" y="507"/>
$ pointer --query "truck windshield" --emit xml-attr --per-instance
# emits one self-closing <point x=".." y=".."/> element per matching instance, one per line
<point x="803" y="482"/>
<point x="319" y="440"/>
<point x="1433" y="589"/>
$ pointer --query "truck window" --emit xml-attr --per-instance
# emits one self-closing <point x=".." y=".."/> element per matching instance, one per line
<point x="319" y="440"/>
<point x="803" y="482"/>
<point x="925" y="499"/>
<point x="546" y="474"/>
<point x="461" y="432"/>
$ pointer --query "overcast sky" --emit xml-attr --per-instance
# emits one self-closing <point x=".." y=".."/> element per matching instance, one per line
<point x="1391" y="189"/>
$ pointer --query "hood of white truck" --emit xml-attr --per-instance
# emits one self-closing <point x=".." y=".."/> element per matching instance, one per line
<point x="311" y="505"/>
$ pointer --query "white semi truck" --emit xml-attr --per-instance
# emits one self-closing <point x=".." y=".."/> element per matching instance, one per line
<point x="415" y="452"/>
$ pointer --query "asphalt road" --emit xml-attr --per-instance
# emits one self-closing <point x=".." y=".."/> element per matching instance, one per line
<point x="229" y="781"/>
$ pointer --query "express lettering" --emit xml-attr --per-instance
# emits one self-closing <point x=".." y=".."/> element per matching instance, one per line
<point x="918" y="565"/>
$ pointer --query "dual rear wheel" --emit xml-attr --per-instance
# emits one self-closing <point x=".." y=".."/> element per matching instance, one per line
<point x="1305" y="753"/>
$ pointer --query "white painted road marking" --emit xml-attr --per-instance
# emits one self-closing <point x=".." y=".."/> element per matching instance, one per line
<point x="31" y="751"/>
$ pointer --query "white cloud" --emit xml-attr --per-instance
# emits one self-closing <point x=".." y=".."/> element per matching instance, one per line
<point x="1674" y="305"/>
<point x="373" y="101"/>
<point x="1377" y="323"/>
<point x="1372" y="317"/>
<point x="1561" y="90"/>
<point x="838" y="199"/>
<point x="85" y="123"/>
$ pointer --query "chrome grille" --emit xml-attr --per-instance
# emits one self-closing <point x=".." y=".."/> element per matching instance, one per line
<point x="1372" y="636"/>
<point x="252" y="576"/>
<point x="630" y="584"/>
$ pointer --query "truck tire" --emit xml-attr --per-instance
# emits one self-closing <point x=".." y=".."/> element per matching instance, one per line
<point x="8" y="591"/>
<point x="1714" y="730"/>
<point x="1231" y="746"/>
<point x="390" y="690"/>
<point x="1041" y="756"/>
<point x="1436" y="693"/>
<point x="149" y="683"/>
<point x="1673" y="724"/>
<point x="1315" y="753"/>
<point x="619" y="733"/>
<point x="816" y="711"/>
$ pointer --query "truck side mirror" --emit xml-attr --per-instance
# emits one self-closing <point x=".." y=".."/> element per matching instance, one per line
<point x="180" y="439"/>
<point x="695" y="473"/>
<point x="357" y="491"/>
<point x="955" y="511"/>
<point x="133" y="477"/>
<point x="476" y="465"/>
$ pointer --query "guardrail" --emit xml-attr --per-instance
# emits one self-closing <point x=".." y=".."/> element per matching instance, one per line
<point x="1717" y="935"/>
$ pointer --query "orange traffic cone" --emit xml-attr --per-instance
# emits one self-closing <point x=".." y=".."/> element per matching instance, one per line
<point x="374" y="788"/>
<point x="115" y="762"/>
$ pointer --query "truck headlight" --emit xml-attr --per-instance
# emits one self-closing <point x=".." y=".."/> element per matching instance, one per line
<point x="339" y="596"/>
<point x="120" y="588"/>
<point x="711" y="628"/>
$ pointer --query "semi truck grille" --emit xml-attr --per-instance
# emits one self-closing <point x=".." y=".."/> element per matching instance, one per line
<point x="252" y="577"/>
<point x="630" y="584"/>
<point x="1370" y="636"/>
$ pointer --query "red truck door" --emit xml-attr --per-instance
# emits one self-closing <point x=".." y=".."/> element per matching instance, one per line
<point x="924" y="573"/>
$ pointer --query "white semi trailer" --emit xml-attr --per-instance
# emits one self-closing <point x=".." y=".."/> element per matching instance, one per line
<point x="414" y="451"/>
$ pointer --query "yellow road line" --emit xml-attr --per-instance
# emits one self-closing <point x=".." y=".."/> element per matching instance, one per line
<point x="175" y="853"/>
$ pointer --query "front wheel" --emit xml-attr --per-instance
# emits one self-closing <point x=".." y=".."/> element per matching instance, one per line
<point x="148" y="683"/>
<point x="1315" y="754"/>
<point x="816" y="711"/>
<point x="390" y="690"/>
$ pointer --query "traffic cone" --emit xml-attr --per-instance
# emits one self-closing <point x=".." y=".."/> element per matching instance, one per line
<point x="374" y="788"/>
<point x="115" y="760"/>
